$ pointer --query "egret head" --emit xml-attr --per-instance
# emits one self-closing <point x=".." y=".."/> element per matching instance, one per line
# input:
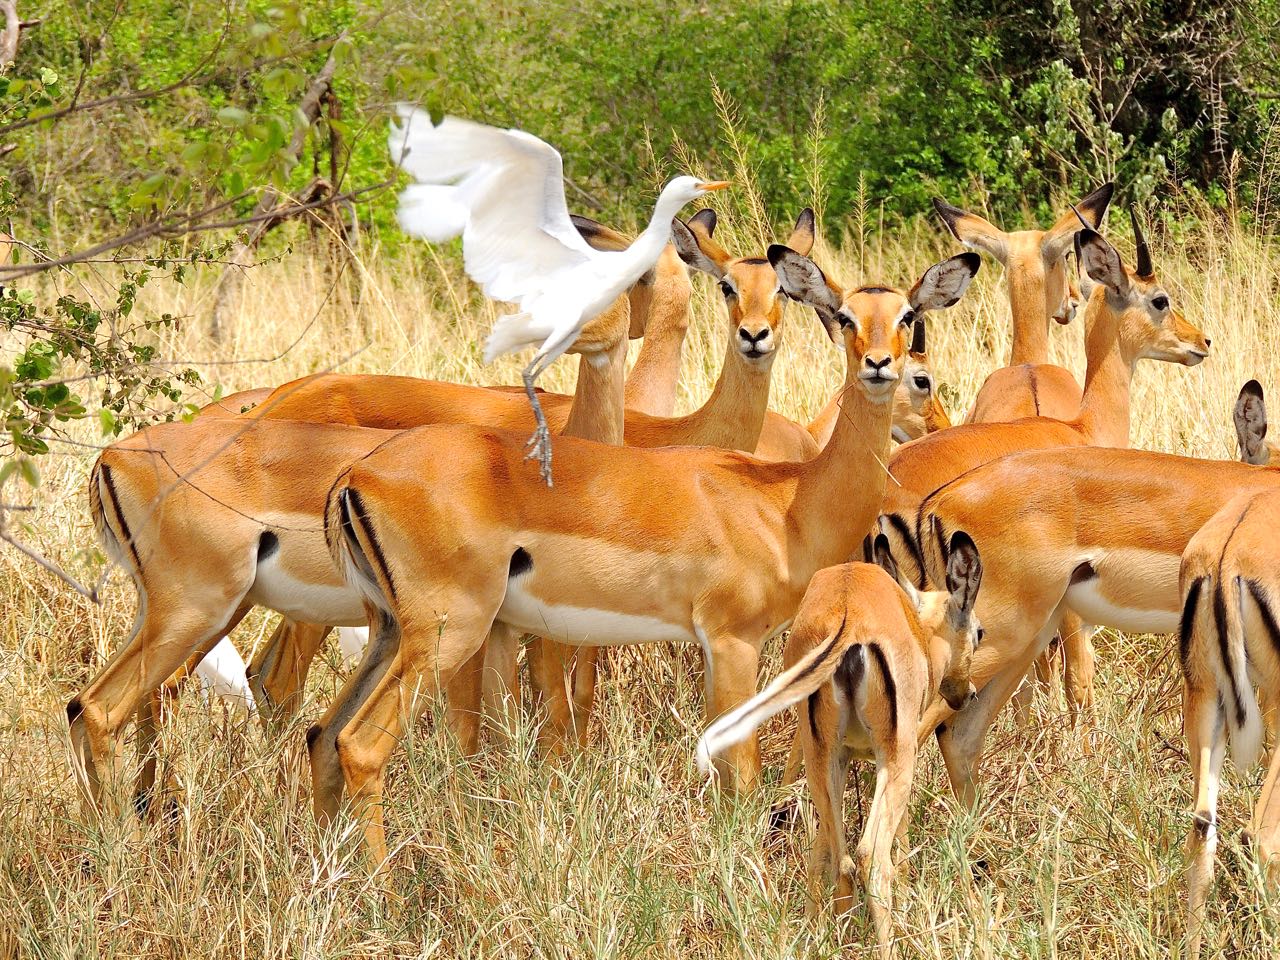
<point x="686" y="188"/>
<point x="877" y="323"/>
<point x="1035" y="261"/>
<point x="749" y="285"/>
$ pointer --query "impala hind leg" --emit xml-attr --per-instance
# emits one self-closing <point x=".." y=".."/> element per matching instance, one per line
<point x="171" y="629"/>
<point x="430" y="654"/>
<point x="1265" y="825"/>
<point x="1077" y="667"/>
<point x="500" y="687"/>
<point x="732" y="670"/>
<point x="826" y="768"/>
<point x="278" y="674"/>
<point x="874" y="852"/>
<point x="1205" y="727"/>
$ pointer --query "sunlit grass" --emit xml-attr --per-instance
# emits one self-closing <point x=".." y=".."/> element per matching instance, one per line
<point x="621" y="852"/>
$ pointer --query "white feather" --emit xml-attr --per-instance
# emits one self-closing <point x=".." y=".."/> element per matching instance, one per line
<point x="222" y="674"/>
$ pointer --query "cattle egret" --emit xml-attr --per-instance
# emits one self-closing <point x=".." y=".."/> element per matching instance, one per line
<point x="503" y="192"/>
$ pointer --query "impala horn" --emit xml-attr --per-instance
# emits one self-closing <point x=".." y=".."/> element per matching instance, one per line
<point x="1143" y="268"/>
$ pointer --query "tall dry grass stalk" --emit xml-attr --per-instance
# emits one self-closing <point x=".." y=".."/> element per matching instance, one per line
<point x="620" y="852"/>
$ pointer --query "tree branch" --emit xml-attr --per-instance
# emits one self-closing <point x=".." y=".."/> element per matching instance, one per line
<point x="9" y="35"/>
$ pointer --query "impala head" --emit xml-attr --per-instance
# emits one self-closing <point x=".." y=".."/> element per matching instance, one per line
<point x="1034" y="259"/>
<point x="917" y="409"/>
<point x="947" y="615"/>
<point x="1150" y="326"/>
<point x="1251" y="426"/>
<point x="877" y="323"/>
<point x="749" y="284"/>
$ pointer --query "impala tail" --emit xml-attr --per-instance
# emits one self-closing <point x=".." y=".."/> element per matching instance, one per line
<point x="1213" y="628"/>
<point x="787" y="689"/>
<point x="354" y="546"/>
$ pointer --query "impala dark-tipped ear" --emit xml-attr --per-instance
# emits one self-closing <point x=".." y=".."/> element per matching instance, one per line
<point x="1088" y="213"/>
<point x="883" y="556"/>
<point x="705" y="220"/>
<point x="803" y="281"/>
<point x="917" y="338"/>
<point x="691" y="249"/>
<point x="598" y="235"/>
<point x="964" y="571"/>
<point x="972" y="230"/>
<point x="944" y="283"/>
<point x="804" y="232"/>
<point x="1251" y="424"/>
<point x="1100" y="262"/>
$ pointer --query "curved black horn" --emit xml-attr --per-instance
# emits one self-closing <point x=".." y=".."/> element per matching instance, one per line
<point x="917" y="336"/>
<point x="1143" y="267"/>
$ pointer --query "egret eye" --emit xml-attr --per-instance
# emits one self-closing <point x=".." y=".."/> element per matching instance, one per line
<point x="1161" y="303"/>
<point x="727" y="288"/>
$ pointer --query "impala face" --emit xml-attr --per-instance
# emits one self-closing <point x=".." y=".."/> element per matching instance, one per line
<point x="876" y="322"/>
<point x="748" y="284"/>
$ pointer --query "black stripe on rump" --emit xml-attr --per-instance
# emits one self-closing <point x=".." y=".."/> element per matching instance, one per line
<point x="120" y="520"/>
<point x="1189" y="609"/>
<point x="351" y="498"/>
<point x="1263" y="602"/>
<point x="890" y="688"/>
<point x="902" y="530"/>
<point x="1224" y="648"/>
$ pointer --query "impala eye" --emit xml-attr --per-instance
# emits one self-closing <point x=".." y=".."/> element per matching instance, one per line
<point x="1161" y="303"/>
<point x="981" y="633"/>
<point x="727" y="288"/>
<point x="921" y="382"/>
<point x="907" y="319"/>
<point x="844" y="319"/>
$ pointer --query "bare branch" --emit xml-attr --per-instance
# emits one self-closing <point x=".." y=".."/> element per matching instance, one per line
<point x="9" y="35"/>
<point x="57" y="571"/>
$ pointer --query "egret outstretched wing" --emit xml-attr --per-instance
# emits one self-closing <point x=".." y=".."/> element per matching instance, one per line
<point x="517" y="236"/>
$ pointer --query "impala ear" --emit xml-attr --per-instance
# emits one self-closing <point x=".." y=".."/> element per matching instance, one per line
<point x="917" y="337"/>
<point x="883" y="557"/>
<point x="1089" y="212"/>
<point x="803" y="281"/>
<point x="964" y="571"/>
<point x="704" y="222"/>
<point x="802" y="235"/>
<point x="1251" y="424"/>
<point x="692" y="251"/>
<point x="944" y="283"/>
<point x="598" y="235"/>
<point x="1100" y="262"/>
<point x="973" y="231"/>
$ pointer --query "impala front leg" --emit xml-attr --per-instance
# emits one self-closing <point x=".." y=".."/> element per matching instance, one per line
<point x="278" y="673"/>
<point x="732" y="670"/>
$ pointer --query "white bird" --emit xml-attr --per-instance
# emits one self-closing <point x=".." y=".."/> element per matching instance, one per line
<point x="503" y="191"/>
<point x="222" y="674"/>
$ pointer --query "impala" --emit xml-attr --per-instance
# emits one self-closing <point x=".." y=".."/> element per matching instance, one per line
<point x="1229" y="643"/>
<point x="1128" y="317"/>
<point x="1251" y="427"/>
<point x="1040" y="288"/>
<point x="442" y="547"/>
<point x="866" y="654"/>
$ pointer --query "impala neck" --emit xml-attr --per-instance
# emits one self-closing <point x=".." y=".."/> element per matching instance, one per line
<point x="1030" y="322"/>
<point x="597" y="410"/>
<point x="847" y="478"/>
<point x="651" y="386"/>
<point x="1104" y="410"/>
<point x="733" y="415"/>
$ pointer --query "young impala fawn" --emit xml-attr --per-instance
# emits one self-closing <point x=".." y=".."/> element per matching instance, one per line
<point x="866" y="654"/>
<point x="1128" y="317"/>
<point x="1229" y="644"/>
<point x="631" y="546"/>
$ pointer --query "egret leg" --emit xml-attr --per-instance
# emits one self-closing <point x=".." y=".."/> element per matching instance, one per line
<point x="539" y="445"/>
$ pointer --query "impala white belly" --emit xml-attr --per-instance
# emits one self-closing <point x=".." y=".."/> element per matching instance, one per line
<point x="332" y="604"/>
<point x="1087" y="600"/>
<point x="584" y="626"/>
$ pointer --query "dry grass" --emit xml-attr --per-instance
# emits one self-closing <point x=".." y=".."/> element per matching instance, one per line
<point x="621" y="853"/>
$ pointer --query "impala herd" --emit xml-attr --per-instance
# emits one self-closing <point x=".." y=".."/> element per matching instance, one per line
<point x="406" y="505"/>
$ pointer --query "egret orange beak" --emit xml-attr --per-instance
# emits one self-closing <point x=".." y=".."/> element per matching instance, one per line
<point x="714" y="185"/>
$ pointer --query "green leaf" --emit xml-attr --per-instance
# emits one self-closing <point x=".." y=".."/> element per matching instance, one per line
<point x="150" y="185"/>
<point x="48" y="77"/>
<point x="108" y="420"/>
<point x="233" y="116"/>
<point x="27" y="470"/>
